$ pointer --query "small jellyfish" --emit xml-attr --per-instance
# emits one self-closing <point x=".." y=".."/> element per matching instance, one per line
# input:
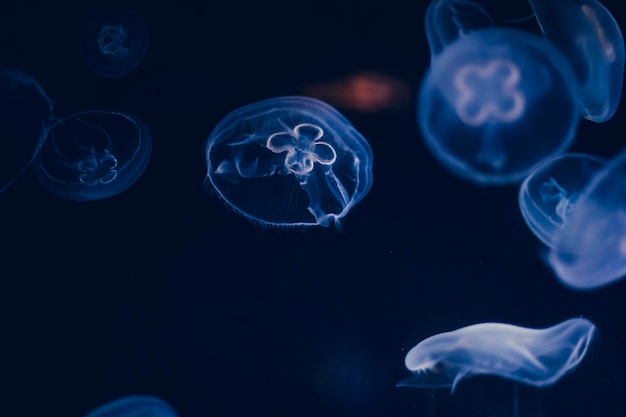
<point x="496" y="102"/>
<point x="135" y="406"/>
<point x="589" y="37"/>
<point x="589" y="250"/>
<point x="538" y="357"/>
<point x="113" y="41"/>
<point x="548" y="195"/>
<point x="25" y="119"/>
<point x="289" y="161"/>
<point x="93" y="155"/>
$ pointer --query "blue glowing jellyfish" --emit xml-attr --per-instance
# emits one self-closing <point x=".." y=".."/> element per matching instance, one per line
<point x="538" y="357"/>
<point x="25" y="119"/>
<point x="589" y="250"/>
<point x="93" y="155"/>
<point x="548" y="195"/>
<point x="135" y="406"/>
<point x="447" y="20"/>
<point x="589" y="37"/>
<point x="289" y="161"/>
<point x="496" y="102"/>
<point x="113" y="41"/>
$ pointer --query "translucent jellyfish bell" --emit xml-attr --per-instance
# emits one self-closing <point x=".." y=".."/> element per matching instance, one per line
<point x="548" y="195"/>
<point x="447" y="20"/>
<point x="289" y="161"/>
<point x="591" y="40"/>
<point x="93" y="155"/>
<point x="135" y="406"/>
<point x="113" y="41"/>
<point x="25" y="119"/>
<point x="589" y="250"/>
<point x="538" y="357"/>
<point x="496" y="102"/>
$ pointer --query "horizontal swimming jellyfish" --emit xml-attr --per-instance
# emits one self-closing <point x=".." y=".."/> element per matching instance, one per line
<point x="538" y="357"/>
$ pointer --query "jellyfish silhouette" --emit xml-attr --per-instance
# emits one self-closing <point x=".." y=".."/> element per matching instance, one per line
<point x="135" y="406"/>
<point x="25" y="119"/>
<point x="537" y="357"/>
<point x="113" y="41"/>
<point x="547" y="196"/>
<point x="289" y="161"/>
<point x="93" y="155"/>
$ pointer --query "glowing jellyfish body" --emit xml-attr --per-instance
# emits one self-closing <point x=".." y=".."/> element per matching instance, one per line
<point x="289" y="161"/>
<point x="548" y="195"/>
<point x="25" y="119"/>
<point x="113" y="41"/>
<point x="135" y="406"/>
<point x="538" y="357"/>
<point x="94" y="155"/>
<point x="589" y="37"/>
<point x="496" y="102"/>
<point x="589" y="249"/>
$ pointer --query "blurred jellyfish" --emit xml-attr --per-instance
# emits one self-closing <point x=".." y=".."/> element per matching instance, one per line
<point x="135" y="406"/>
<point x="289" y="161"/>
<point x="548" y="194"/>
<point x="496" y="102"/>
<point x="589" y="249"/>
<point x="113" y="41"/>
<point x="538" y="357"/>
<point x="94" y="155"/>
<point x="25" y="119"/>
<point x="447" y="20"/>
<point x="589" y="37"/>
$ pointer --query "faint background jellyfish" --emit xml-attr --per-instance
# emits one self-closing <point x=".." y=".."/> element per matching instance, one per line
<point x="487" y="105"/>
<point x="589" y="250"/>
<point x="447" y="20"/>
<point x="547" y="196"/>
<point x="591" y="40"/>
<point x="113" y="41"/>
<point x="93" y="155"/>
<point x="537" y="357"/>
<point x="135" y="406"/>
<point x="25" y="119"/>
<point x="289" y="161"/>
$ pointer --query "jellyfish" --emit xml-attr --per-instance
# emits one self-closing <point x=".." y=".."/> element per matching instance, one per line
<point x="591" y="40"/>
<point x="289" y="161"/>
<point x="135" y="406"/>
<point x="494" y="103"/>
<point x="583" y="30"/>
<point x="447" y="20"/>
<point x="93" y="155"/>
<point x="113" y="41"/>
<point x="537" y="357"/>
<point x="25" y="119"/>
<point x="588" y="250"/>
<point x="548" y="195"/>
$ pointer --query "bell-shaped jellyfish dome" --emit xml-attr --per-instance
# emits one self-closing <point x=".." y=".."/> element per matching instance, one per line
<point x="548" y="195"/>
<point x="25" y="119"/>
